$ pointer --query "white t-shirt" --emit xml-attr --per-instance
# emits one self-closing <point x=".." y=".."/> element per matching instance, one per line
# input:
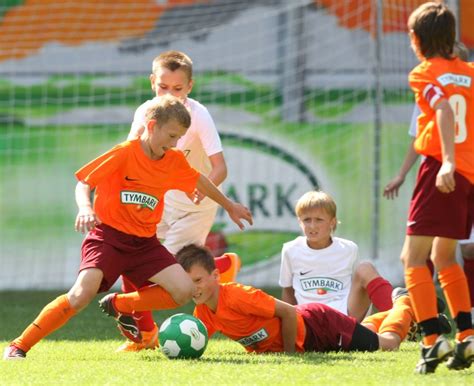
<point x="414" y="121"/>
<point x="199" y="143"/>
<point x="319" y="275"/>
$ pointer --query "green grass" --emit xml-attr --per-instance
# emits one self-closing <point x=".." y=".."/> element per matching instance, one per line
<point x="82" y="353"/>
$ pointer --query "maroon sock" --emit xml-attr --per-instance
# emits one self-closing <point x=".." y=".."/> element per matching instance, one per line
<point x="469" y="272"/>
<point x="380" y="293"/>
<point x="144" y="319"/>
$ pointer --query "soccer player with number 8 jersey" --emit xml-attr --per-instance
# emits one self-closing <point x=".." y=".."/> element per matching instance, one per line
<point x="442" y="204"/>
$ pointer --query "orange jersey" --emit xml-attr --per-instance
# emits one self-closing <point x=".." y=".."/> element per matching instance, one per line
<point x="247" y="315"/>
<point x="129" y="186"/>
<point x="436" y="79"/>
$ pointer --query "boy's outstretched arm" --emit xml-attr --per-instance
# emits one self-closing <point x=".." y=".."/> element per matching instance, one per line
<point x="235" y="210"/>
<point x="287" y="313"/>
<point x="217" y="175"/>
<point x="86" y="218"/>
<point x="445" y="119"/>
<point x="391" y="189"/>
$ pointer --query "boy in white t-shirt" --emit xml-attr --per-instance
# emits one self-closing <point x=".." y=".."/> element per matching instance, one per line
<point x="318" y="267"/>
<point x="187" y="219"/>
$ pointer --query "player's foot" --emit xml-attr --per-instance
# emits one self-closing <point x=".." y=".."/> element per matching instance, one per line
<point x="463" y="355"/>
<point x="125" y="322"/>
<point x="432" y="356"/>
<point x="13" y="353"/>
<point x="230" y="265"/>
<point x="149" y="342"/>
<point x="414" y="334"/>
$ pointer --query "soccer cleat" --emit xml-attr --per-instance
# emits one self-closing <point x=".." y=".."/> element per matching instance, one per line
<point x="463" y="355"/>
<point x="232" y="268"/>
<point x="13" y="353"/>
<point x="149" y="342"/>
<point x="125" y="322"/>
<point x="432" y="356"/>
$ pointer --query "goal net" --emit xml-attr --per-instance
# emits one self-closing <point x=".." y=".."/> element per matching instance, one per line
<point x="291" y="85"/>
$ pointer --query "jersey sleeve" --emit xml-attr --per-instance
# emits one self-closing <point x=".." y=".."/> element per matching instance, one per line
<point x="355" y="257"/>
<point x="251" y="301"/>
<point x="103" y="166"/>
<point x="207" y="131"/>
<point x="184" y="176"/>
<point x="286" y="273"/>
<point x="428" y="92"/>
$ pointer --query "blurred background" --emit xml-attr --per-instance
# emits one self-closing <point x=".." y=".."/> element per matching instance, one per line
<point x="305" y="93"/>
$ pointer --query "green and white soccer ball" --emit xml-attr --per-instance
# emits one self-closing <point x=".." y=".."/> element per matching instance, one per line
<point x="183" y="336"/>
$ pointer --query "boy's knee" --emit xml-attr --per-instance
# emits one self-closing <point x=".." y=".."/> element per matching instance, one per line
<point x="183" y="294"/>
<point x="365" y="272"/>
<point x="80" y="298"/>
<point x="389" y="341"/>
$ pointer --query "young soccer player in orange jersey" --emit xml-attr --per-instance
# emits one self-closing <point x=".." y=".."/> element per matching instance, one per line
<point x="187" y="218"/>
<point x="262" y="323"/>
<point x="442" y="203"/>
<point x="130" y="181"/>
<point x="391" y="189"/>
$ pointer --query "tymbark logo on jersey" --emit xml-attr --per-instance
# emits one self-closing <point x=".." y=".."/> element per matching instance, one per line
<point x="138" y="198"/>
<point x="253" y="339"/>
<point x="321" y="285"/>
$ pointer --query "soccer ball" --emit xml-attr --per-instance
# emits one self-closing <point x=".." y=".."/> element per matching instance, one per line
<point x="183" y="336"/>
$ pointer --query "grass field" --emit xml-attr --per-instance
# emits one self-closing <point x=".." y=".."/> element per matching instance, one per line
<point x="82" y="353"/>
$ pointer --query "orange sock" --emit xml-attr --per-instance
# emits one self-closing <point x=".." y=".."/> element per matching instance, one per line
<point x="52" y="316"/>
<point x="374" y="321"/>
<point x="399" y="318"/>
<point x="454" y="284"/>
<point x="144" y="319"/>
<point x="149" y="298"/>
<point x="423" y="297"/>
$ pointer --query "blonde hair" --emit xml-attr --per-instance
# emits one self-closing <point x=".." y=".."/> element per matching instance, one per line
<point x="174" y="60"/>
<point x="167" y="108"/>
<point x="316" y="199"/>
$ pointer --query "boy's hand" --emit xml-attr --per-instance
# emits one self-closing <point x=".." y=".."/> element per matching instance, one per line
<point x="196" y="197"/>
<point x="445" y="178"/>
<point x="237" y="212"/>
<point x="86" y="220"/>
<point x="391" y="190"/>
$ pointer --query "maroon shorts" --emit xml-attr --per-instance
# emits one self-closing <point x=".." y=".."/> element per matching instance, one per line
<point x="327" y="329"/>
<point x="433" y="213"/>
<point x="116" y="253"/>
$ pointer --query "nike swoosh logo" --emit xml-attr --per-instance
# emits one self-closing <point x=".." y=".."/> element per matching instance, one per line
<point x="410" y="223"/>
<point x="305" y="273"/>
<point x="131" y="179"/>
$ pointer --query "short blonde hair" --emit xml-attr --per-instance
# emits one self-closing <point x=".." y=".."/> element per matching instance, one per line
<point x="174" y="60"/>
<point x="316" y="199"/>
<point x="167" y="108"/>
